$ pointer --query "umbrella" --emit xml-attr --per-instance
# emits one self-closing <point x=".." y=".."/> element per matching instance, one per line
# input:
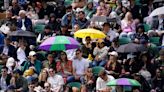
<point x="123" y="82"/>
<point x="158" y="11"/>
<point x="59" y="43"/>
<point x="93" y="33"/>
<point x="131" y="48"/>
<point x="21" y="33"/>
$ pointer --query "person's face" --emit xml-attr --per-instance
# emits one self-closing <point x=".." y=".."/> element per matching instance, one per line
<point x="3" y="72"/>
<point x="106" y="28"/>
<point x="99" y="10"/>
<point x="102" y="4"/>
<point x="129" y="16"/>
<point x="31" y="87"/>
<point x="78" y="54"/>
<point x="140" y="30"/>
<point x="33" y="58"/>
<point x="63" y="55"/>
<point x="144" y="58"/>
<point x="69" y="17"/>
<point x="90" y="5"/>
<point x="50" y="58"/>
<point x="44" y="72"/>
<point x="112" y="57"/>
<point x="52" y="18"/>
<point x="47" y="87"/>
<point x="158" y="73"/>
<point x="81" y="15"/>
<point x="51" y="72"/>
<point x="8" y="15"/>
<point x="88" y="40"/>
<point x="76" y="27"/>
<point x="47" y="30"/>
<point x="7" y="42"/>
<point x="22" y="15"/>
<point x="14" y="2"/>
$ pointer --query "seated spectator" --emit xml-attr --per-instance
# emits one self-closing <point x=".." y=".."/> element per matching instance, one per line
<point x="11" y="64"/>
<point x="102" y="80"/>
<point x="89" y="81"/>
<point x="64" y="31"/>
<point x="55" y="80"/>
<point x="87" y="48"/>
<point x="80" y="66"/>
<point x="68" y="19"/>
<point x="128" y="26"/>
<point x="100" y="52"/>
<point x="113" y="66"/>
<point x="53" y="23"/>
<point x="32" y="63"/>
<point x="47" y="87"/>
<point x="4" y="78"/>
<point x="89" y="9"/>
<point x="140" y="33"/>
<point x="64" y="66"/>
<point x="7" y="50"/>
<point x="50" y="62"/>
<point x="111" y="34"/>
<point x="43" y="77"/>
<point x="78" y="3"/>
<point x="81" y="20"/>
<point x="15" y="8"/>
<point x="31" y="87"/>
<point x="18" y="81"/>
<point x="46" y="34"/>
<point x="158" y="81"/>
<point x="24" y="23"/>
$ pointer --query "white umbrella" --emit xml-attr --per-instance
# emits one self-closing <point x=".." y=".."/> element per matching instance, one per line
<point x="158" y="11"/>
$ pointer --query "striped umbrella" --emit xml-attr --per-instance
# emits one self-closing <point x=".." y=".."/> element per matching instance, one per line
<point x="59" y="43"/>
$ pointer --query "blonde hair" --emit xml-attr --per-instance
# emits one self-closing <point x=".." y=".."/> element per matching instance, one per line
<point x="41" y="75"/>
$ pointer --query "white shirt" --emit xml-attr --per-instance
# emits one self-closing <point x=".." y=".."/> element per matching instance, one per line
<point x="101" y="84"/>
<point x="5" y="50"/>
<point x="56" y="81"/>
<point x="3" y="83"/>
<point x="112" y="34"/>
<point x="21" y="55"/>
<point x="23" y="25"/>
<point x="80" y="66"/>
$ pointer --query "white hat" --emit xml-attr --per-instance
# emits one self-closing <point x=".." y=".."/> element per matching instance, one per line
<point x="10" y="62"/>
<point x="32" y="53"/>
<point x="113" y="53"/>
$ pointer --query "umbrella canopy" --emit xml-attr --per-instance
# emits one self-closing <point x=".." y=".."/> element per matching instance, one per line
<point x="93" y="33"/>
<point x="123" y="82"/>
<point x="157" y="12"/>
<point x="21" y="33"/>
<point x="131" y="48"/>
<point x="59" y="43"/>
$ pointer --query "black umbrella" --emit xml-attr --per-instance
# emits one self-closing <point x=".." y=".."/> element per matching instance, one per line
<point x="131" y="48"/>
<point x="21" y="33"/>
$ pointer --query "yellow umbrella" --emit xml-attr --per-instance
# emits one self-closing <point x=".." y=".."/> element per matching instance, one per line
<point x="93" y="33"/>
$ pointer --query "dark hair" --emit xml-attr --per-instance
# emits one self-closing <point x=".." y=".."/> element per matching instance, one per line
<point x="65" y="54"/>
<point x="82" y="12"/>
<point x="78" y="50"/>
<point x="4" y="67"/>
<point x="47" y="27"/>
<point x="140" y="26"/>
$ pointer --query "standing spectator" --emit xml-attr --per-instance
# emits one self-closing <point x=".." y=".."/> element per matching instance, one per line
<point x="100" y="52"/>
<point x="24" y="22"/>
<point x="4" y="78"/>
<point x="18" y="81"/>
<point x="80" y="66"/>
<point x="32" y="63"/>
<point x="102" y="80"/>
<point x="55" y="80"/>
<point x="64" y="66"/>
